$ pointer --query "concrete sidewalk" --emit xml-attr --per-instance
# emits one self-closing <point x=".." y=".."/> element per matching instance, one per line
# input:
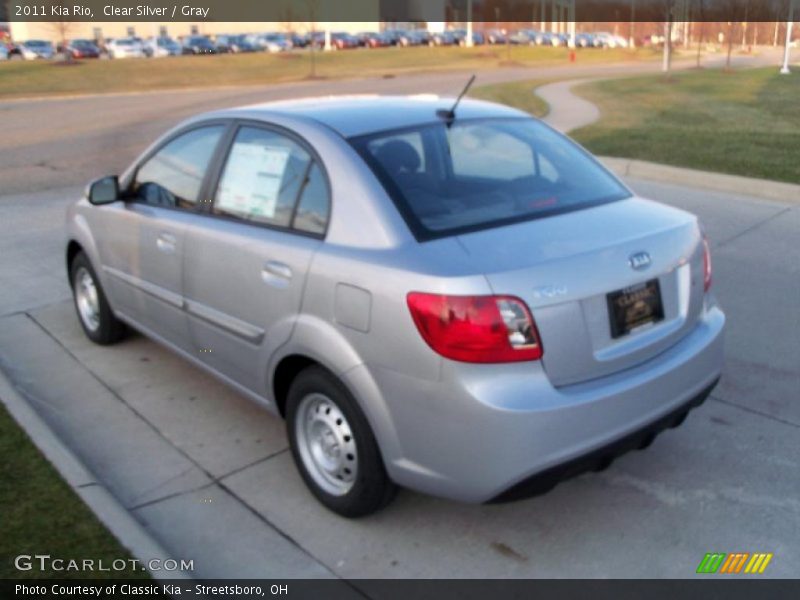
<point x="207" y="473"/>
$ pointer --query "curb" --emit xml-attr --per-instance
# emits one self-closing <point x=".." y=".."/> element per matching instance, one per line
<point x="130" y="533"/>
<point x="720" y="182"/>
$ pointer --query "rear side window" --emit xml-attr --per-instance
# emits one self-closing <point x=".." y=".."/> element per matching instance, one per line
<point x="271" y="179"/>
<point x="314" y="205"/>
<point x="483" y="173"/>
<point x="173" y="176"/>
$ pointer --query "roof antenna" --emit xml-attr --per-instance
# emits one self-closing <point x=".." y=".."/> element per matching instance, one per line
<point x="450" y="115"/>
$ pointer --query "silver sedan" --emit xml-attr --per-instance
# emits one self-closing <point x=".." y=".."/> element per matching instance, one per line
<point x="463" y="302"/>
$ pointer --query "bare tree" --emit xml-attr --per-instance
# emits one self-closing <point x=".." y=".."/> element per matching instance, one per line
<point x="312" y="10"/>
<point x="669" y="12"/>
<point x="287" y="19"/>
<point x="729" y="40"/>
<point x="701" y="13"/>
<point x="62" y="27"/>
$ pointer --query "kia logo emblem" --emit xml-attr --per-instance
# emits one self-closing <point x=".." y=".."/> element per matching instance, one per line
<point x="639" y="261"/>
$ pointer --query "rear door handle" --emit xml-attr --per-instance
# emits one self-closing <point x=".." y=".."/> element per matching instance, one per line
<point x="276" y="274"/>
<point x="166" y="242"/>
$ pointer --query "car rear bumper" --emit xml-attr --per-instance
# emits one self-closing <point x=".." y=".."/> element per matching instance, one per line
<point x="601" y="458"/>
<point x="499" y="432"/>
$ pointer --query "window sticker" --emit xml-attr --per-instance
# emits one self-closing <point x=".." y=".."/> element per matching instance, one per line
<point x="252" y="179"/>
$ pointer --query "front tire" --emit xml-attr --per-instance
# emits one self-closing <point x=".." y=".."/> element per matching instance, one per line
<point x="94" y="313"/>
<point x="333" y="446"/>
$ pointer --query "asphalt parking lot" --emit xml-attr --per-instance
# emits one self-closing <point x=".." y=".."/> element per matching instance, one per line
<point x="208" y="473"/>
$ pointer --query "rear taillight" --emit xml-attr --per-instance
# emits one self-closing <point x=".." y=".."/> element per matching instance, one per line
<point x="706" y="265"/>
<point x="476" y="329"/>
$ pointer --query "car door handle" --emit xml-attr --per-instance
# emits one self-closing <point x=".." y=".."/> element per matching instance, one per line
<point x="276" y="273"/>
<point x="166" y="242"/>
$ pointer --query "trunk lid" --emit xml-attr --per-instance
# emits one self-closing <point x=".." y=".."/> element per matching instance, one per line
<point x="565" y="266"/>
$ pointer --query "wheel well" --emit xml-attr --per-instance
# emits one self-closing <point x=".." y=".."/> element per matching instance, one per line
<point x="284" y="375"/>
<point x="72" y="251"/>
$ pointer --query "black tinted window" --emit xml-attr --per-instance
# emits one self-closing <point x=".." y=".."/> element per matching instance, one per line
<point x="477" y="174"/>
<point x="314" y="205"/>
<point x="173" y="176"/>
<point x="263" y="176"/>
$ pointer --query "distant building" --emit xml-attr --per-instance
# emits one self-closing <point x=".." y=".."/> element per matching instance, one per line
<point x="21" y="31"/>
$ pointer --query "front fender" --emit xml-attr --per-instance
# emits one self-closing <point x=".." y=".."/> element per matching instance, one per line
<point x="78" y="231"/>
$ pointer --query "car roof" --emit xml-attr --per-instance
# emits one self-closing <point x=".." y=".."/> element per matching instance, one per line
<point x="359" y="115"/>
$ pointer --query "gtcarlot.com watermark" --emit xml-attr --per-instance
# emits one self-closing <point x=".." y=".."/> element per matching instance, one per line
<point x="45" y="562"/>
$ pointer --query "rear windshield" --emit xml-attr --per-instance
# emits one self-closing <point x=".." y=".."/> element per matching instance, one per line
<point x="478" y="174"/>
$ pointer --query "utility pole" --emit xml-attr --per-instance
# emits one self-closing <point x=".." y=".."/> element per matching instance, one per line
<point x="785" y="68"/>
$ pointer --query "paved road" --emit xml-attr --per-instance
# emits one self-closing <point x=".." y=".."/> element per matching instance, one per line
<point x="208" y="472"/>
<point x="49" y="144"/>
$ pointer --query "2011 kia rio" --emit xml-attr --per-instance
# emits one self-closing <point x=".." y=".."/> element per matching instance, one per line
<point x="463" y="302"/>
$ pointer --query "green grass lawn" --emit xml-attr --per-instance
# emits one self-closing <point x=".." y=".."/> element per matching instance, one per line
<point x="39" y="514"/>
<point x="20" y="79"/>
<point x="519" y="94"/>
<point x="744" y="122"/>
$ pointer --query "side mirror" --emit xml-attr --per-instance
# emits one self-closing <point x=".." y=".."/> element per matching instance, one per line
<point x="104" y="190"/>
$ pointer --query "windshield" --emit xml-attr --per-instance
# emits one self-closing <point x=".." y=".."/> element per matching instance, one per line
<point x="484" y="173"/>
<point x="37" y="44"/>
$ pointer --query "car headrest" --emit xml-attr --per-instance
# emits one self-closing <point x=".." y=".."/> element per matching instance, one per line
<point x="398" y="156"/>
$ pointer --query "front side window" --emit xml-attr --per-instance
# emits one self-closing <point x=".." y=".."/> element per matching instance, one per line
<point x="482" y="173"/>
<point x="173" y="176"/>
<point x="269" y="178"/>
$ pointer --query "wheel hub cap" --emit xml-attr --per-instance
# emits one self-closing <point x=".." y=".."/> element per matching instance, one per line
<point x="87" y="300"/>
<point x="326" y="445"/>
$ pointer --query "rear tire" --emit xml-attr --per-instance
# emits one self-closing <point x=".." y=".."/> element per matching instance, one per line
<point x="333" y="446"/>
<point x="94" y="313"/>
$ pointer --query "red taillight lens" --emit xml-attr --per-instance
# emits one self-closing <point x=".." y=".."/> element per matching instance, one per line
<point x="476" y="329"/>
<point x="706" y="265"/>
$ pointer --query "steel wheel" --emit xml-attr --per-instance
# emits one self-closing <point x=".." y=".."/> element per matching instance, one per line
<point x="87" y="299"/>
<point x="326" y="444"/>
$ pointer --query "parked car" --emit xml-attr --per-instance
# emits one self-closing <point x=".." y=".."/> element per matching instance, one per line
<point x="443" y="38"/>
<point x="36" y="49"/>
<point x="82" y="48"/>
<point x="343" y="41"/>
<point x="298" y="40"/>
<point x="524" y="37"/>
<point x="560" y="39"/>
<point x="546" y="38"/>
<point x="463" y="302"/>
<point x="272" y="42"/>
<point x="197" y="44"/>
<point x="604" y="39"/>
<point x="461" y="37"/>
<point x="400" y="37"/>
<point x="162" y="46"/>
<point x="236" y="43"/>
<point x="421" y="37"/>
<point x="130" y="47"/>
<point x="495" y="36"/>
<point x="373" y="39"/>
<point x="585" y="40"/>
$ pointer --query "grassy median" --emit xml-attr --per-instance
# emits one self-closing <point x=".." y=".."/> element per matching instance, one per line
<point x="40" y="514"/>
<point x="22" y="79"/>
<point x="744" y="122"/>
